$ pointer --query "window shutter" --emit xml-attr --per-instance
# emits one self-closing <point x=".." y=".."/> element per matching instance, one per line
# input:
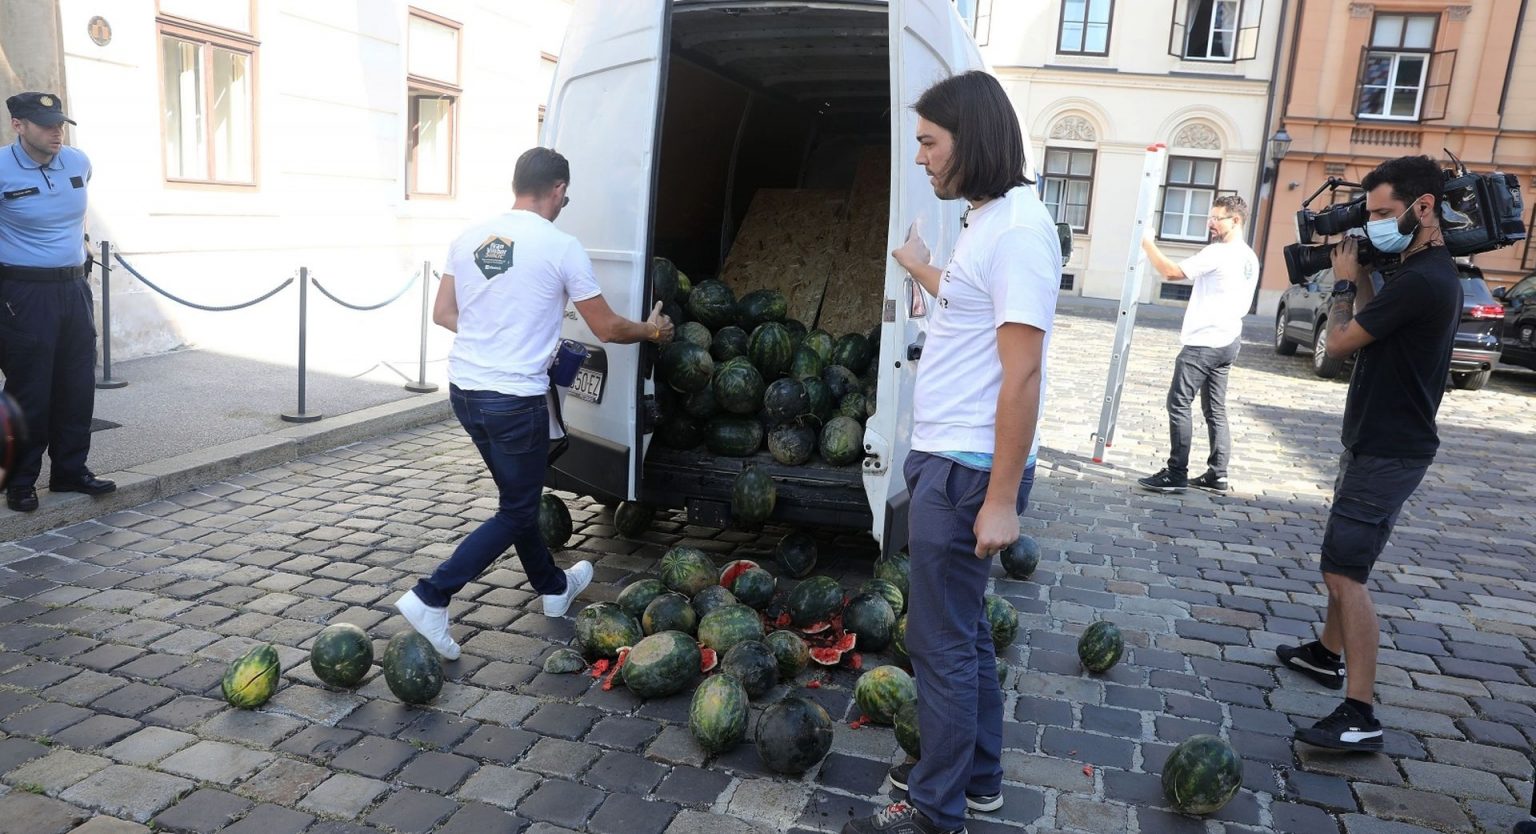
<point x="1365" y="52"/>
<point x="1248" y="31"/>
<point x="1176" y="32"/>
<point x="1437" y="90"/>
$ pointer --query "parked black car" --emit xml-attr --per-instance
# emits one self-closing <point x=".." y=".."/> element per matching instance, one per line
<point x="1304" y="311"/>
<point x="1519" y="322"/>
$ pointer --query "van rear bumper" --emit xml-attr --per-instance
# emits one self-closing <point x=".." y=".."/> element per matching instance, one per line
<point x="701" y="482"/>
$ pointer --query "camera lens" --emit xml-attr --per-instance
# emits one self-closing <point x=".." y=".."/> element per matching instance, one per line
<point x="1338" y="219"/>
<point x="1302" y="261"/>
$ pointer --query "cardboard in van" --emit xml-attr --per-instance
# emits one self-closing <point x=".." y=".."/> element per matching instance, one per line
<point x="790" y="240"/>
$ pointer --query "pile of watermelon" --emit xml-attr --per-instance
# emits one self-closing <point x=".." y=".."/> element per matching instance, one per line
<point x="741" y="376"/>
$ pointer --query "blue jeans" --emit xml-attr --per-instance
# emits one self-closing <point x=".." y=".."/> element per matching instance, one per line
<point x="960" y="709"/>
<point x="512" y="434"/>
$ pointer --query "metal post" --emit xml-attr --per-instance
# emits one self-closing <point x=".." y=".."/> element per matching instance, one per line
<point x="106" y="380"/>
<point x="302" y="416"/>
<point x="421" y="385"/>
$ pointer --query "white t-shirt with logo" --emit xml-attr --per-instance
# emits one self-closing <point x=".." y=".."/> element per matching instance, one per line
<point x="513" y="276"/>
<point x="1224" y="276"/>
<point x="1006" y="268"/>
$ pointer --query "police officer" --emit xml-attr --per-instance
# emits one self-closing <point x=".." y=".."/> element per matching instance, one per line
<point x="47" y="336"/>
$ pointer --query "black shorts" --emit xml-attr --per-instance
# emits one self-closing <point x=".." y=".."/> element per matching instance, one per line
<point x="1368" y="495"/>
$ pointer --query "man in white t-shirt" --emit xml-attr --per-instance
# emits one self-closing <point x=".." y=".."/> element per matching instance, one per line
<point x="1224" y="274"/>
<point x="504" y="293"/>
<point x="980" y="389"/>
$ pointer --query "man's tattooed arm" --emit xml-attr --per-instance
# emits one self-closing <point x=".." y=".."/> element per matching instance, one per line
<point x="1342" y="309"/>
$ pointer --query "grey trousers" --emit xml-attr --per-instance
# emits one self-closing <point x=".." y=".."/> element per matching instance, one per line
<point x="1203" y="371"/>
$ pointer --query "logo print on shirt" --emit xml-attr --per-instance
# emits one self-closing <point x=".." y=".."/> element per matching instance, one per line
<point x="944" y="302"/>
<point x="494" y="256"/>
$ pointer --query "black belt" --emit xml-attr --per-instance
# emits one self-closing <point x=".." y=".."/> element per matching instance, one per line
<point x="42" y="273"/>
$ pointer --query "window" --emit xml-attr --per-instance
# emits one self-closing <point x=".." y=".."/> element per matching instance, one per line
<point x="1187" y="198"/>
<point x="432" y="90"/>
<point x="1085" y="27"/>
<point x="1067" y="185"/>
<point x="207" y="101"/>
<point x="1395" y="68"/>
<point x="1212" y="30"/>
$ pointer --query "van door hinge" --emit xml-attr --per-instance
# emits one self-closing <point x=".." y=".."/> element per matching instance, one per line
<point x="877" y="453"/>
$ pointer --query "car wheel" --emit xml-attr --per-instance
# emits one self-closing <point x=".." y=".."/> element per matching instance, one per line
<point x="1324" y="365"/>
<point x="1283" y="345"/>
<point x="1471" y="382"/>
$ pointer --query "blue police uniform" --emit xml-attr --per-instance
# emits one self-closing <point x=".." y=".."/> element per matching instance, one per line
<point x="47" y="332"/>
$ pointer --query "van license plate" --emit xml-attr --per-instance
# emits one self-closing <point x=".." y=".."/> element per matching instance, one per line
<point x="588" y="385"/>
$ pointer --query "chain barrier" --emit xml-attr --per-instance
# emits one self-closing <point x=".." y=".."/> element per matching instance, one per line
<point x="363" y="308"/>
<point x="211" y="308"/>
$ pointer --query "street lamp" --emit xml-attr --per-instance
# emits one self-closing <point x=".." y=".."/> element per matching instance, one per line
<point x="1279" y="146"/>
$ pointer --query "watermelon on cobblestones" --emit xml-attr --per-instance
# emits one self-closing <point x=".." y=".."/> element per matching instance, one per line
<point x="814" y="601"/>
<point x="753" y="497"/>
<point x="252" y="678"/>
<point x="754" y="664"/>
<point x="1004" y="619"/>
<point x="554" y="521"/>
<point x="412" y="669"/>
<point x="723" y="628"/>
<point x="895" y="569"/>
<point x="685" y="366"/>
<point x="341" y="655"/>
<point x="899" y="642"/>
<point x="842" y="441"/>
<point x="662" y="664"/>
<point x="633" y="518"/>
<point x="792" y="444"/>
<point x="637" y="595"/>
<point x="882" y="690"/>
<point x="713" y="304"/>
<point x="1021" y="558"/>
<point x="687" y="570"/>
<point x="887" y="589"/>
<point x="771" y="350"/>
<point x="907" y="733"/>
<point x="734" y="436"/>
<point x="796" y="554"/>
<point x="719" y="713"/>
<point x="760" y="307"/>
<point x="729" y="343"/>
<point x="1202" y="775"/>
<point x="794" y="735"/>
<point x="790" y="651"/>
<point x="750" y="584"/>
<point x="669" y="612"/>
<point x="564" y="661"/>
<point x="870" y="618"/>
<point x="603" y="628"/>
<point x="1100" y="647"/>
<point x="712" y="598"/>
<point x="830" y="647"/>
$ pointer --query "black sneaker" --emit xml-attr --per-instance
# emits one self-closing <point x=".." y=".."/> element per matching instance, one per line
<point x="1345" y="729"/>
<point x="1210" y="483"/>
<point x="901" y="774"/>
<point x="1304" y="659"/>
<point x="899" y="818"/>
<point x="1163" y="482"/>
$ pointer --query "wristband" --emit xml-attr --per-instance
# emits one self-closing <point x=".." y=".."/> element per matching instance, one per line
<point x="656" y="336"/>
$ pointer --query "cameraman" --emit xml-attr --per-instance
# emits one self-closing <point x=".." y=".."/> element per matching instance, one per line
<point x="1403" y="335"/>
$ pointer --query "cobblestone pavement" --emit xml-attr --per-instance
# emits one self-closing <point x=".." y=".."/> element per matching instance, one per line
<point x="116" y="631"/>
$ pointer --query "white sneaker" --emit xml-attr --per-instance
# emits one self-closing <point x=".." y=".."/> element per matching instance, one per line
<point x="429" y="622"/>
<point x="576" y="580"/>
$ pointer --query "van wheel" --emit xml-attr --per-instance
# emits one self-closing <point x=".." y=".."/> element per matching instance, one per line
<point x="1471" y="382"/>
<point x="1322" y="364"/>
<point x="1283" y="345"/>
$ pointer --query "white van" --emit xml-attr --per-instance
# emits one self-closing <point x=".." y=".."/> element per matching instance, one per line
<point x="673" y="114"/>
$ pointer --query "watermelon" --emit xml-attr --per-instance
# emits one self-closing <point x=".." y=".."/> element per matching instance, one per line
<point x="752" y="663"/>
<point x="712" y="598"/>
<point x="341" y="655"/>
<point x="839" y="381"/>
<point x="685" y="366"/>
<point x="806" y="362"/>
<point x="815" y="600"/>
<point x="669" y="612"/>
<point x="1004" y="619"/>
<point x="719" y="712"/>
<point x="907" y="733"/>
<point x="899" y="642"/>
<point x="663" y="280"/>
<point x="771" y="350"/>
<point x="713" y="304"/>
<point x="1202" y="775"/>
<point x="887" y="589"/>
<point x="842" y="441"/>
<point x="792" y="444"/>
<point x="759" y="307"/>
<point x="786" y="399"/>
<point x="852" y="352"/>
<point x="822" y="342"/>
<point x="831" y="654"/>
<point x="895" y="568"/>
<point x="1100" y="647"/>
<point x="820" y="398"/>
<point x="796" y="330"/>
<point x="734" y="436"/>
<point x="633" y="518"/>
<point x="684" y="286"/>
<point x="662" y="664"/>
<point x="882" y="690"/>
<point x="754" y="587"/>
<point x="796" y="554"/>
<point x="680" y="432"/>
<point x="252" y="677"/>
<point x="752" y="497"/>
<point x="723" y="628"/>
<point x="794" y="735"/>
<point x="637" y="595"/>
<point x="686" y="570"/>
<point x="729" y="343"/>
<point x="674" y="312"/>
<point x="564" y="661"/>
<point x="790" y="650"/>
<point x="738" y="387"/>
<point x="554" y="521"/>
<point x="412" y="668"/>
<point x="853" y="406"/>
<point x="1021" y="558"/>
<point x="701" y="404"/>
<point x="692" y="331"/>
<point x="708" y="659"/>
<point x="603" y="628"/>
<point x="869" y="616"/>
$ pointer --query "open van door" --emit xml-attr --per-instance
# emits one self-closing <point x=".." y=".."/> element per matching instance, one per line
<point x="613" y="64"/>
<point x="928" y="43"/>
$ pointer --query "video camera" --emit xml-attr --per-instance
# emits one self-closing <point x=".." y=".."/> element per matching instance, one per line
<point x="1478" y="213"/>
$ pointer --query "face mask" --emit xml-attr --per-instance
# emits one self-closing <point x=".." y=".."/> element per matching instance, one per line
<point x="1387" y="234"/>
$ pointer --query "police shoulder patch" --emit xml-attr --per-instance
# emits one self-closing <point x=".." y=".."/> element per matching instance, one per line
<point x="494" y="256"/>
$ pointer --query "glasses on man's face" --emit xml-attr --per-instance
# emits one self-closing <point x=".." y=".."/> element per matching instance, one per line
<point x="1219" y="218"/>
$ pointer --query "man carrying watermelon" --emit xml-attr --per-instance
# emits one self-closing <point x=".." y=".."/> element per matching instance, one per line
<point x="504" y="293"/>
<point x="980" y="387"/>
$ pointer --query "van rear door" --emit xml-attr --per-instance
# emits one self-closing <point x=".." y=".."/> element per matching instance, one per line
<point x="929" y="42"/>
<point x="604" y="116"/>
